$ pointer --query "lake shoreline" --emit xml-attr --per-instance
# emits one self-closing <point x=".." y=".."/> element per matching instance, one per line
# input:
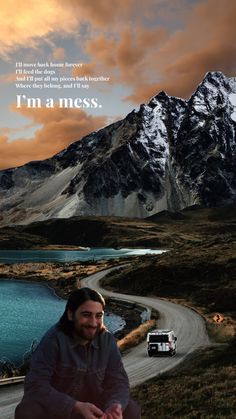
<point x="63" y="278"/>
<point x="58" y="247"/>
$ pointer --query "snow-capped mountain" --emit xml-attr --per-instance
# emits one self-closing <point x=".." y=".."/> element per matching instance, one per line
<point x="169" y="154"/>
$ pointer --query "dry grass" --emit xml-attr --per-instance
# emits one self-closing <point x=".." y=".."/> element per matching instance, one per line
<point x="136" y="336"/>
<point x="221" y="332"/>
<point x="203" y="388"/>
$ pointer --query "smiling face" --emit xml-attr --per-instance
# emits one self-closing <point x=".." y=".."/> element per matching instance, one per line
<point x="87" y="319"/>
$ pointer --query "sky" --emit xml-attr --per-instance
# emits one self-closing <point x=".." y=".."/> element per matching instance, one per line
<point x="140" y="46"/>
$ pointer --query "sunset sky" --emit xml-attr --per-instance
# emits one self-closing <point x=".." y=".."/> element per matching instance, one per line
<point x="143" y="46"/>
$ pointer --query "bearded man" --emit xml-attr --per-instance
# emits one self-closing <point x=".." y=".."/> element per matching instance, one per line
<point x="76" y="371"/>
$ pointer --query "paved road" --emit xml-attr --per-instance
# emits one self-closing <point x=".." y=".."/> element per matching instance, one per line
<point x="187" y="325"/>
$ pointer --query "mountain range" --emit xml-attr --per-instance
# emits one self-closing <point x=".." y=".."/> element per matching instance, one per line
<point x="168" y="155"/>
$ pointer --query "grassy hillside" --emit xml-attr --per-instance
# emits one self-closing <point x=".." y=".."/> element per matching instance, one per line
<point x="204" y="387"/>
<point x="164" y="230"/>
<point x="204" y="276"/>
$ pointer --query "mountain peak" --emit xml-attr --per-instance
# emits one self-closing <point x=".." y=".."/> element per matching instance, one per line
<point x="216" y="79"/>
<point x="169" y="155"/>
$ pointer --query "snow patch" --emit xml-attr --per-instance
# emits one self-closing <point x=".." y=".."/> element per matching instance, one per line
<point x="232" y="98"/>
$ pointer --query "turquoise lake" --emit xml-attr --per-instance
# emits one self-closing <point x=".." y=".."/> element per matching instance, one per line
<point x="17" y="256"/>
<point x="27" y="311"/>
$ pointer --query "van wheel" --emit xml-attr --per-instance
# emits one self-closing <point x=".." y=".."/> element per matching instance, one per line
<point x="149" y="353"/>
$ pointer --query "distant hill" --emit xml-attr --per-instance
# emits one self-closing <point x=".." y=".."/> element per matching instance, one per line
<point x="163" y="230"/>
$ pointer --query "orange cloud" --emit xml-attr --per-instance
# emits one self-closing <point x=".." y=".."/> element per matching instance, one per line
<point x="123" y="58"/>
<point x="150" y="60"/>
<point x="60" y="127"/>
<point x="104" y="14"/>
<point x="205" y="44"/>
<point x="33" y="23"/>
<point x="118" y="14"/>
<point x="30" y="23"/>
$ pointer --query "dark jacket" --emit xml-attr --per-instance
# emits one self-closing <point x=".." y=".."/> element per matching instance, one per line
<point x="63" y="371"/>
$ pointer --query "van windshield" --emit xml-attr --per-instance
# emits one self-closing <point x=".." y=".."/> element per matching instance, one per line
<point x="158" y="338"/>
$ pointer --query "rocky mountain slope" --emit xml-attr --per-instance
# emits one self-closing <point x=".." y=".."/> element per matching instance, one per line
<point x="170" y="154"/>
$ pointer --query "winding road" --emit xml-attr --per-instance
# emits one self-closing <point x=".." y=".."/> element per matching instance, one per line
<point x="188" y="326"/>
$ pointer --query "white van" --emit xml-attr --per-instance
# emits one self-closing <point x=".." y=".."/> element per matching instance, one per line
<point x="161" y="342"/>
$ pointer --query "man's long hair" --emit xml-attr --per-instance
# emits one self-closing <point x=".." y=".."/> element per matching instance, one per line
<point x="76" y="299"/>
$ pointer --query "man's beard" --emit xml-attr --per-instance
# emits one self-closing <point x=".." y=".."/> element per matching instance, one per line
<point x="87" y="332"/>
